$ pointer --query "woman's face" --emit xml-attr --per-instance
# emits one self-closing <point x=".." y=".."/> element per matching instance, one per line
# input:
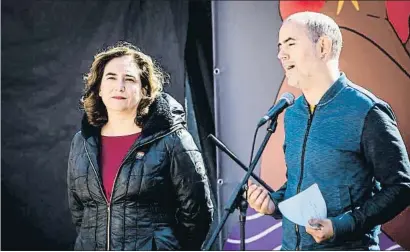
<point x="120" y="87"/>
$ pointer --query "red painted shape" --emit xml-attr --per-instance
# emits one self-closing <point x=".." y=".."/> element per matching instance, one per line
<point x="398" y="13"/>
<point x="288" y="8"/>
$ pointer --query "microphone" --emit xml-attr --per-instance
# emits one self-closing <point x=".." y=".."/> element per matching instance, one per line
<point x="286" y="100"/>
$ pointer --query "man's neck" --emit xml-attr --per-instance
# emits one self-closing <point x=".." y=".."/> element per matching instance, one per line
<point x="120" y="124"/>
<point x="319" y="84"/>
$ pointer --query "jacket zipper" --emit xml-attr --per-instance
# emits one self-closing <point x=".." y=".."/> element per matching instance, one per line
<point x="106" y="200"/>
<point x="115" y="179"/>
<point x="301" y="170"/>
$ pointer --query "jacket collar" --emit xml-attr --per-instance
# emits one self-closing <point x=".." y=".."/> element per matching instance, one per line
<point x="332" y="92"/>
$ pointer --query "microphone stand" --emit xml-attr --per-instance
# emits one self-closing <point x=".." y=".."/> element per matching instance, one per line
<point x="225" y="149"/>
<point x="237" y="199"/>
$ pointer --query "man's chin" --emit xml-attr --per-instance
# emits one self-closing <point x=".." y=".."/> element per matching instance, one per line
<point x="292" y="82"/>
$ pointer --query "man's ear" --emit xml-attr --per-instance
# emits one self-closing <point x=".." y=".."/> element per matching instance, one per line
<point x="324" y="47"/>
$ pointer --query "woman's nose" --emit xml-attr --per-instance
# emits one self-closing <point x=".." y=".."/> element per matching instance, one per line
<point x="120" y="85"/>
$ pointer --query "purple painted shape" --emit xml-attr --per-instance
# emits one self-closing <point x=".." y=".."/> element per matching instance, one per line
<point x="254" y="227"/>
<point x="273" y="239"/>
<point x="386" y="243"/>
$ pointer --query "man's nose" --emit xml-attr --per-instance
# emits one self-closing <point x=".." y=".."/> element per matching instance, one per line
<point x="282" y="55"/>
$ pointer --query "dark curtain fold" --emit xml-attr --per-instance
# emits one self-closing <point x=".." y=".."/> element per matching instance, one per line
<point x="198" y="58"/>
<point x="199" y="66"/>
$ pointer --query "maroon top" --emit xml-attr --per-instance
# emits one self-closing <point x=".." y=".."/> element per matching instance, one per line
<point x="113" y="151"/>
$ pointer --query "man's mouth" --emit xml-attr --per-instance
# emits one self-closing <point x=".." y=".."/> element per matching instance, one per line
<point x="290" y="67"/>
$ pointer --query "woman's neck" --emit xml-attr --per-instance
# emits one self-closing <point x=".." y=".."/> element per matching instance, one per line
<point x="120" y="125"/>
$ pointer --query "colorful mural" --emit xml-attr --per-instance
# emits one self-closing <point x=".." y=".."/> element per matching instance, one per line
<point x="265" y="233"/>
<point x="376" y="56"/>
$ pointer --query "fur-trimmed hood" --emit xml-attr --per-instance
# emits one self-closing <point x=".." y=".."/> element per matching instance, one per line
<point x="164" y="113"/>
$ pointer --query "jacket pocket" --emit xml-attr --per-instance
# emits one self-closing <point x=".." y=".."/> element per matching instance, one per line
<point x="338" y="200"/>
<point x="345" y="199"/>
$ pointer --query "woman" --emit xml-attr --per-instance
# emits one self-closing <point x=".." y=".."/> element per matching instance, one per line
<point x="136" y="180"/>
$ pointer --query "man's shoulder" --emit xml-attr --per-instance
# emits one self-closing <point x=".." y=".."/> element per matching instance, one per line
<point x="361" y="96"/>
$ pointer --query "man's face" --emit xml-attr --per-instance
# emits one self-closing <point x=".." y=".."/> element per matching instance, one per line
<point x="297" y="53"/>
<point x="121" y="85"/>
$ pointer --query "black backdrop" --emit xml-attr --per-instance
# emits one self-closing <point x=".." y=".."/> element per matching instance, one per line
<point x="47" y="46"/>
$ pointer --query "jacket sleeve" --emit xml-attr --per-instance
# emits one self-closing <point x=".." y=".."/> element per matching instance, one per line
<point x="74" y="203"/>
<point x="194" y="205"/>
<point x="279" y="195"/>
<point x="385" y="153"/>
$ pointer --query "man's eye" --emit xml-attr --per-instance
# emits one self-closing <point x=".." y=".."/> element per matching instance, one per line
<point x="292" y="44"/>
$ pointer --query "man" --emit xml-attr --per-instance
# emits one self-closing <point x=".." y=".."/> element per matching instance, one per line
<point x="339" y="136"/>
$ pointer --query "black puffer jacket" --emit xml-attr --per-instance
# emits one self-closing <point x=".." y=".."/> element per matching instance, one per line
<point x="161" y="197"/>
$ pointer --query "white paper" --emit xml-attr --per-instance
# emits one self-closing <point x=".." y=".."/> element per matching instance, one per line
<point x="306" y="205"/>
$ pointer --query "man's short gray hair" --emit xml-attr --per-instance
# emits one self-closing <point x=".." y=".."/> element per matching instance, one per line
<point x="319" y="25"/>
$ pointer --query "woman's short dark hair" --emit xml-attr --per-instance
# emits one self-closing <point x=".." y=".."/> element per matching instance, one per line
<point x="152" y="80"/>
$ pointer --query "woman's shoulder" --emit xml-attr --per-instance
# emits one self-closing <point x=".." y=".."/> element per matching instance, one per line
<point x="78" y="137"/>
<point x="182" y="140"/>
<point x="76" y="141"/>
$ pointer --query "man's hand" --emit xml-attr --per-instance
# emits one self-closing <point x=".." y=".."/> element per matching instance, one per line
<point x="320" y="230"/>
<point x="259" y="199"/>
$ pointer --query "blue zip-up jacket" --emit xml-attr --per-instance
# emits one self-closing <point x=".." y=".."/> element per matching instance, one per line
<point x="351" y="147"/>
